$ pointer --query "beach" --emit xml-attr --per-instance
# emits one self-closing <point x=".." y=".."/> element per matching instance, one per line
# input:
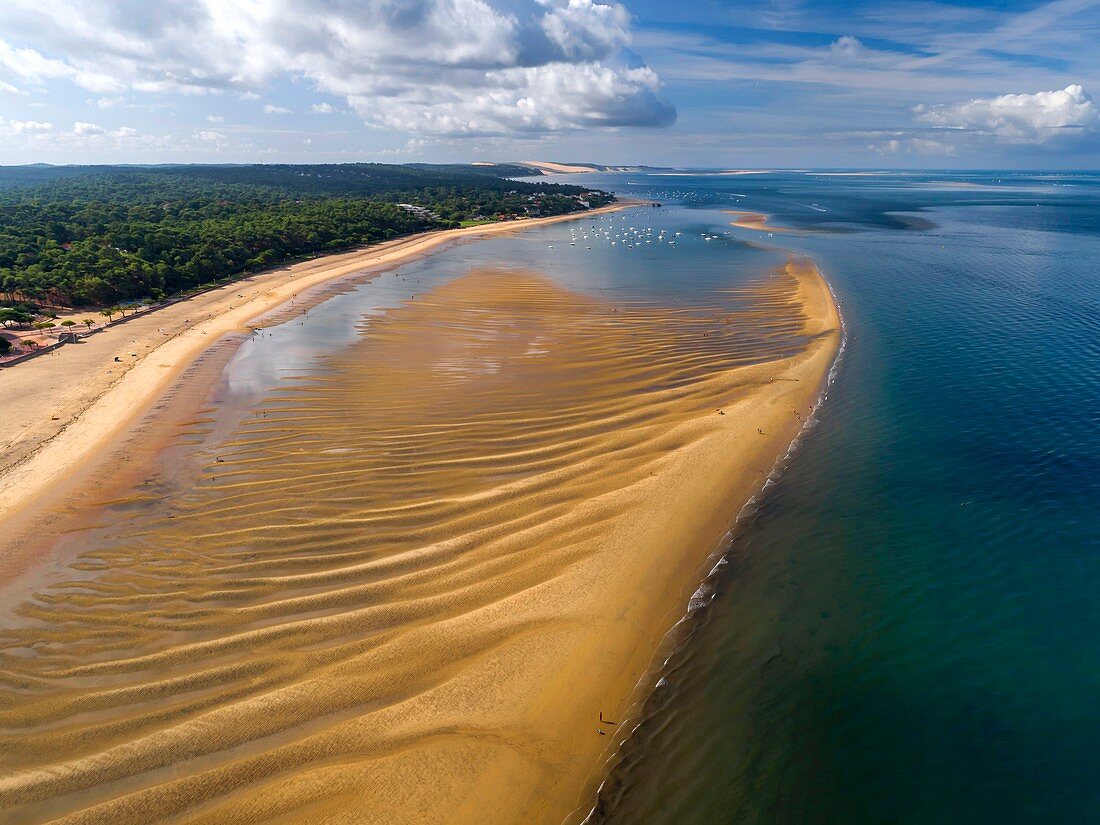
<point x="59" y="410"/>
<point x="447" y="591"/>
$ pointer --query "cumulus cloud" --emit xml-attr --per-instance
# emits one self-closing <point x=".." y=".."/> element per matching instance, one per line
<point x="27" y="127"/>
<point x="271" y="109"/>
<point x="442" y="67"/>
<point x="584" y="30"/>
<point x="210" y="136"/>
<point x="912" y="146"/>
<point x="848" y="48"/>
<point x="82" y="128"/>
<point x="322" y="108"/>
<point x="1019" y="118"/>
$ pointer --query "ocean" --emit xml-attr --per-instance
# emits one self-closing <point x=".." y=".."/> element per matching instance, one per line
<point x="906" y="627"/>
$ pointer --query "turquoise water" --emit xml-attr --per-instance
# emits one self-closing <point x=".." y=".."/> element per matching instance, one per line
<point x="906" y="630"/>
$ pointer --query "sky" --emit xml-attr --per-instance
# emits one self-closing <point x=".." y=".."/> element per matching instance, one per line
<point x="684" y="83"/>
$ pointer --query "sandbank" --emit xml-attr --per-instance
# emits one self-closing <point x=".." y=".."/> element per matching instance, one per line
<point x="59" y="409"/>
<point x="757" y="221"/>
<point x="413" y="589"/>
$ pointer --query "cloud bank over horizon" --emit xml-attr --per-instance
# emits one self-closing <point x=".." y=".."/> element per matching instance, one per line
<point x="1019" y="118"/>
<point x="812" y="83"/>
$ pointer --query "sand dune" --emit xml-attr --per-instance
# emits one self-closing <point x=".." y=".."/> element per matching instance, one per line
<point x="556" y="168"/>
<point x="412" y="581"/>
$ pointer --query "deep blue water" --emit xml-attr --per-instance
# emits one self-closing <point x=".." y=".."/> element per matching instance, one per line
<point x="908" y="629"/>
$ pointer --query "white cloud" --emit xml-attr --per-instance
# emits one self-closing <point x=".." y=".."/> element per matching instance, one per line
<point x="272" y="109"/>
<point x="211" y="136"/>
<point x="524" y="100"/>
<point x="215" y="119"/>
<point x="584" y="30"/>
<point x="912" y="146"/>
<point x="93" y="131"/>
<point x="452" y="67"/>
<point x="1018" y="118"/>
<point x="848" y="48"/>
<point x="412" y="146"/>
<point x="322" y="108"/>
<point x="35" y="67"/>
<point x="28" y="127"/>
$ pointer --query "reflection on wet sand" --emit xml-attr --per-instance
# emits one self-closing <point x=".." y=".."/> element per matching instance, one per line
<point x="406" y="587"/>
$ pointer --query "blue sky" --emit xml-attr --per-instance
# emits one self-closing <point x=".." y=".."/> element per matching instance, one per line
<point x="708" y="83"/>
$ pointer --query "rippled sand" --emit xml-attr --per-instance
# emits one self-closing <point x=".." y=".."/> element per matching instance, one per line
<point x="406" y="588"/>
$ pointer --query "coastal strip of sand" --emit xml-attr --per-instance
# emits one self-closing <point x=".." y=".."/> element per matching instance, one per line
<point x="59" y="409"/>
<point x="757" y="221"/>
<point x="424" y="583"/>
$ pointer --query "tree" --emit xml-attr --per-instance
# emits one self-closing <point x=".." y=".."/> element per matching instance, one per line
<point x="109" y="313"/>
<point x="68" y="323"/>
<point x="89" y="322"/>
<point x="5" y="345"/>
<point x="11" y="315"/>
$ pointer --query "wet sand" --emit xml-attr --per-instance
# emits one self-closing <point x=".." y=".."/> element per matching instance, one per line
<point x="757" y="221"/>
<point x="408" y="586"/>
<point x="61" y="409"/>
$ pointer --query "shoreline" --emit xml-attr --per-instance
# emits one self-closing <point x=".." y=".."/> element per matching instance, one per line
<point x="114" y="395"/>
<point x="693" y="608"/>
<point x="647" y="707"/>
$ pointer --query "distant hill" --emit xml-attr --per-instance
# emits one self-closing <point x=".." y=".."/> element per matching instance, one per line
<point x="547" y="167"/>
<point x="497" y="170"/>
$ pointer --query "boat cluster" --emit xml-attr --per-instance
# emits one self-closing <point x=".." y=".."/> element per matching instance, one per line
<point x="613" y="230"/>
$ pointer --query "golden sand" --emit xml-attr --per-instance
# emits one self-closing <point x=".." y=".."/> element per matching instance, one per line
<point x="556" y="168"/>
<point x="757" y="221"/>
<point x="60" y="410"/>
<point x="406" y="589"/>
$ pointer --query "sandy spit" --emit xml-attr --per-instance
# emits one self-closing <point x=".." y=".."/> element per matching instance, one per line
<point x="757" y="221"/>
<point x="421" y="608"/>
